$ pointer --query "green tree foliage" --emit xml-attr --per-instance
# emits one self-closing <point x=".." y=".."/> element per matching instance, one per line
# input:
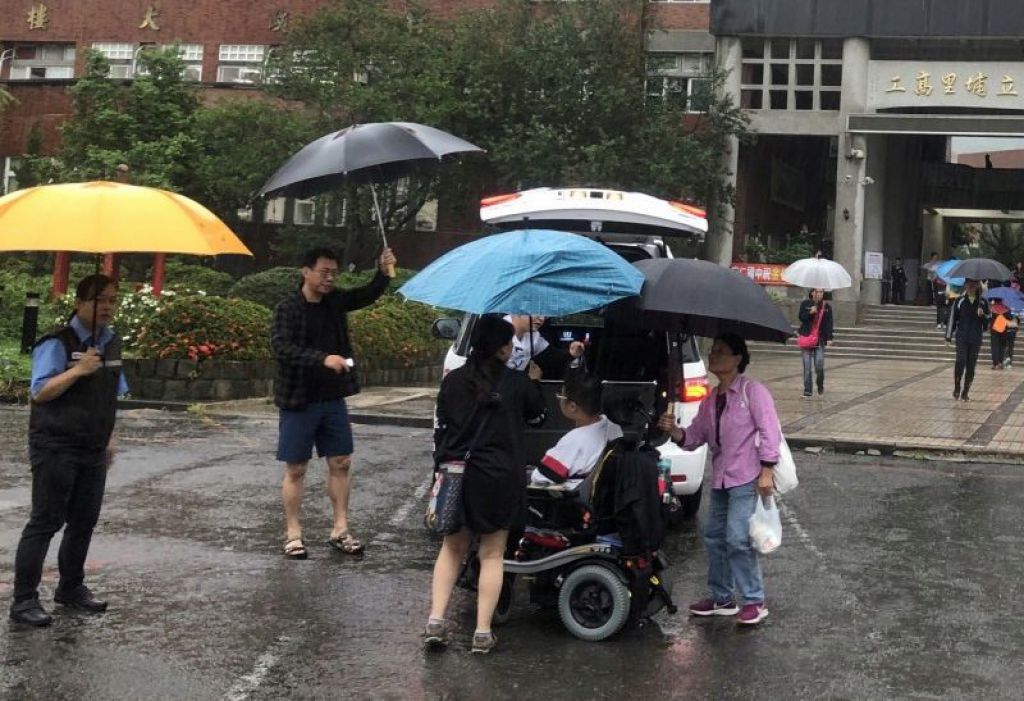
<point x="1002" y="241"/>
<point x="146" y="124"/>
<point x="242" y="143"/>
<point x="555" y="93"/>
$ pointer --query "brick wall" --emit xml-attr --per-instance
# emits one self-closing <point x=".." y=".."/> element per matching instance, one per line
<point x="679" y="15"/>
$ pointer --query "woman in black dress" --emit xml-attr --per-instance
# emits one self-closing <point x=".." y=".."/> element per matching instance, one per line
<point x="482" y="408"/>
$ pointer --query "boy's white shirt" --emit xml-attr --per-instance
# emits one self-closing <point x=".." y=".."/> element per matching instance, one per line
<point x="579" y="450"/>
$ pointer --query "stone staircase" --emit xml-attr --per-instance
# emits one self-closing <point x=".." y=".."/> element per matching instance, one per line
<point x="886" y="331"/>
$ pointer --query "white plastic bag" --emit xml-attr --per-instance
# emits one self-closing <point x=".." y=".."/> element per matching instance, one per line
<point x="765" y="526"/>
<point x="784" y="472"/>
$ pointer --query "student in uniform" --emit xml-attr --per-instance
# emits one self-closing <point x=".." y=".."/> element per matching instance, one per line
<point x="76" y="380"/>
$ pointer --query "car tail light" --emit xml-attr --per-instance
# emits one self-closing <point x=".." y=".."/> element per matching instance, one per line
<point x="498" y="199"/>
<point x="693" y="390"/>
<point x="689" y="209"/>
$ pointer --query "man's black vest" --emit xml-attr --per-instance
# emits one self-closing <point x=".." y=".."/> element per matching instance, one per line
<point x="82" y="417"/>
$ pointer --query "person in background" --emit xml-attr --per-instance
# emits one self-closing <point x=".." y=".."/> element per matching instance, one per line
<point x="999" y="327"/>
<point x="899" y="282"/>
<point x="529" y="345"/>
<point x="1017" y="276"/>
<point x="482" y="410"/>
<point x="933" y="261"/>
<point x="740" y="425"/>
<point x="810" y="308"/>
<point x="76" y="380"/>
<point x="968" y="319"/>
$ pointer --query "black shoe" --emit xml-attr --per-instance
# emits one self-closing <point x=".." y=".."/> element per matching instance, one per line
<point x="31" y="613"/>
<point x="82" y="599"/>
<point x="821" y="390"/>
<point x="956" y="393"/>
<point x="964" y="397"/>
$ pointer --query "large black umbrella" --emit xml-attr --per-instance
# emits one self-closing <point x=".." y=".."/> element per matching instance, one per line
<point x="375" y="152"/>
<point x="980" y="269"/>
<point x="703" y="299"/>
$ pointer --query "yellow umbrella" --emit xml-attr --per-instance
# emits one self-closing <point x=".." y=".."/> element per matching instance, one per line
<point x="106" y="217"/>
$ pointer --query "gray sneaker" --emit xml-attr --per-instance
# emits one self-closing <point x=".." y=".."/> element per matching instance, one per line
<point x="483" y="643"/>
<point x="435" y="635"/>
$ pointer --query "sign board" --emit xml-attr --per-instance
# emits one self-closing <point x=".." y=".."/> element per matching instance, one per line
<point x="980" y="85"/>
<point x="874" y="263"/>
<point x="762" y="273"/>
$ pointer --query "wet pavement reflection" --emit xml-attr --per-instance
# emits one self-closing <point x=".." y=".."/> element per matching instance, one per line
<point x="896" y="579"/>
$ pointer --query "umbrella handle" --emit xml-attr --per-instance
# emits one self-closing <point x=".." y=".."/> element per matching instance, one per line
<point x="390" y="270"/>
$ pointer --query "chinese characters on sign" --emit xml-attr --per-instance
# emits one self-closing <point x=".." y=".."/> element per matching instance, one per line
<point x="975" y="84"/>
<point x="149" y="21"/>
<point x="38" y="16"/>
<point x="761" y="273"/>
<point x="279" y="21"/>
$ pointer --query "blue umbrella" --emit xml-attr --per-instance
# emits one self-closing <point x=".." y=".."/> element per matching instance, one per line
<point x="534" y="271"/>
<point x="1010" y="297"/>
<point x="942" y="271"/>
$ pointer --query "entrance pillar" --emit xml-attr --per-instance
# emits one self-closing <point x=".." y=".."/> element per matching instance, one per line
<point x="874" y="186"/>
<point x="723" y="215"/>
<point x="850" y="182"/>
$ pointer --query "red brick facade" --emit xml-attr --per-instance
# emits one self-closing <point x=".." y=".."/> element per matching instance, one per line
<point x="207" y="22"/>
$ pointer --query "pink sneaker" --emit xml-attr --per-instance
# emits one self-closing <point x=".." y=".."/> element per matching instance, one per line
<point x="752" y="614"/>
<point x="710" y="607"/>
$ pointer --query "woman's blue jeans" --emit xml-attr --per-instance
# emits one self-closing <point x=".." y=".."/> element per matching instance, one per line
<point x="816" y="356"/>
<point x="732" y="562"/>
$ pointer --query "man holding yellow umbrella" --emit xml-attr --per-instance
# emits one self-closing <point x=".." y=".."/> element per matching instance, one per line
<point x="76" y="373"/>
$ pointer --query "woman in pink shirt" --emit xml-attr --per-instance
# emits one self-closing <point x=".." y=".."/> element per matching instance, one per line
<point x="739" y="423"/>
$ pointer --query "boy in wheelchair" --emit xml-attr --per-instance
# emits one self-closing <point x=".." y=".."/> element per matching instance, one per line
<point x="576" y="454"/>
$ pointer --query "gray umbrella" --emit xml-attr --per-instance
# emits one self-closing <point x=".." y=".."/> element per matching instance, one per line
<point x="703" y="299"/>
<point x="374" y="152"/>
<point x="980" y="269"/>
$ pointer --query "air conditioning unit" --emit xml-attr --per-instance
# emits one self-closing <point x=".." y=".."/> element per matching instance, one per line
<point x="120" y="71"/>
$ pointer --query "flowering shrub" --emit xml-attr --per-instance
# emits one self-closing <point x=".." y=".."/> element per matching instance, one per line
<point x="135" y="309"/>
<point x="267" y="287"/>
<point x="394" y="330"/>
<point x="199" y="328"/>
<point x="183" y="277"/>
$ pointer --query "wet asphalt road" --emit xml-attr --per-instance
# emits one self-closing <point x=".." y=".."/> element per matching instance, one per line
<point x="897" y="580"/>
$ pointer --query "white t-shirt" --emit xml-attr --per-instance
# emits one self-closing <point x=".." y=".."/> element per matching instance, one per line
<point x="522" y="347"/>
<point x="576" y="454"/>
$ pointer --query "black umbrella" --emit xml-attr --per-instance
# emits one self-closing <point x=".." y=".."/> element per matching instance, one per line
<point x="703" y="299"/>
<point x="375" y="152"/>
<point x="980" y="269"/>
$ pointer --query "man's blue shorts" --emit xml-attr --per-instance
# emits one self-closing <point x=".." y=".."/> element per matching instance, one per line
<point x="324" y="424"/>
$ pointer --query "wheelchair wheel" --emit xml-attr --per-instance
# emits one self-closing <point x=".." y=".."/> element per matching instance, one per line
<point x="593" y="603"/>
<point x="508" y="594"/>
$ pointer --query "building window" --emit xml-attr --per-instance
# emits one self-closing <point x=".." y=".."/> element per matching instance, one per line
<point x="305" y="212"/>
<point x="43" y="62"/>
<point x="241" y="64"/>
<point x="121" y="57"/>
<point x="335" y="211"/>
<point x="8" y="183"/>
<point x="190" y="54"/>
<point x="679" y="77"/>
<point x="791" y="74"/>
<point x="273" y="212"/>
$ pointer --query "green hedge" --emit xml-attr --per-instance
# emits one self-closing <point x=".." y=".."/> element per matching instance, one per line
<point x="180" y="276"/>
<point x="207" y="327"/>
<point x="271" y="286"/>
<point x="394" y="330"/>
<point x="267" y="287"/>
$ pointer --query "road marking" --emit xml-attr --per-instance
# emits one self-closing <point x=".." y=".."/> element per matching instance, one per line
<point x="402" y="513"/>
<point x="249" y="683"/>
<point x="789" y="516"/>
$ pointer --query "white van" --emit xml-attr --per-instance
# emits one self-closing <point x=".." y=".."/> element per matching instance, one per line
<point x="631" y="362"/>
